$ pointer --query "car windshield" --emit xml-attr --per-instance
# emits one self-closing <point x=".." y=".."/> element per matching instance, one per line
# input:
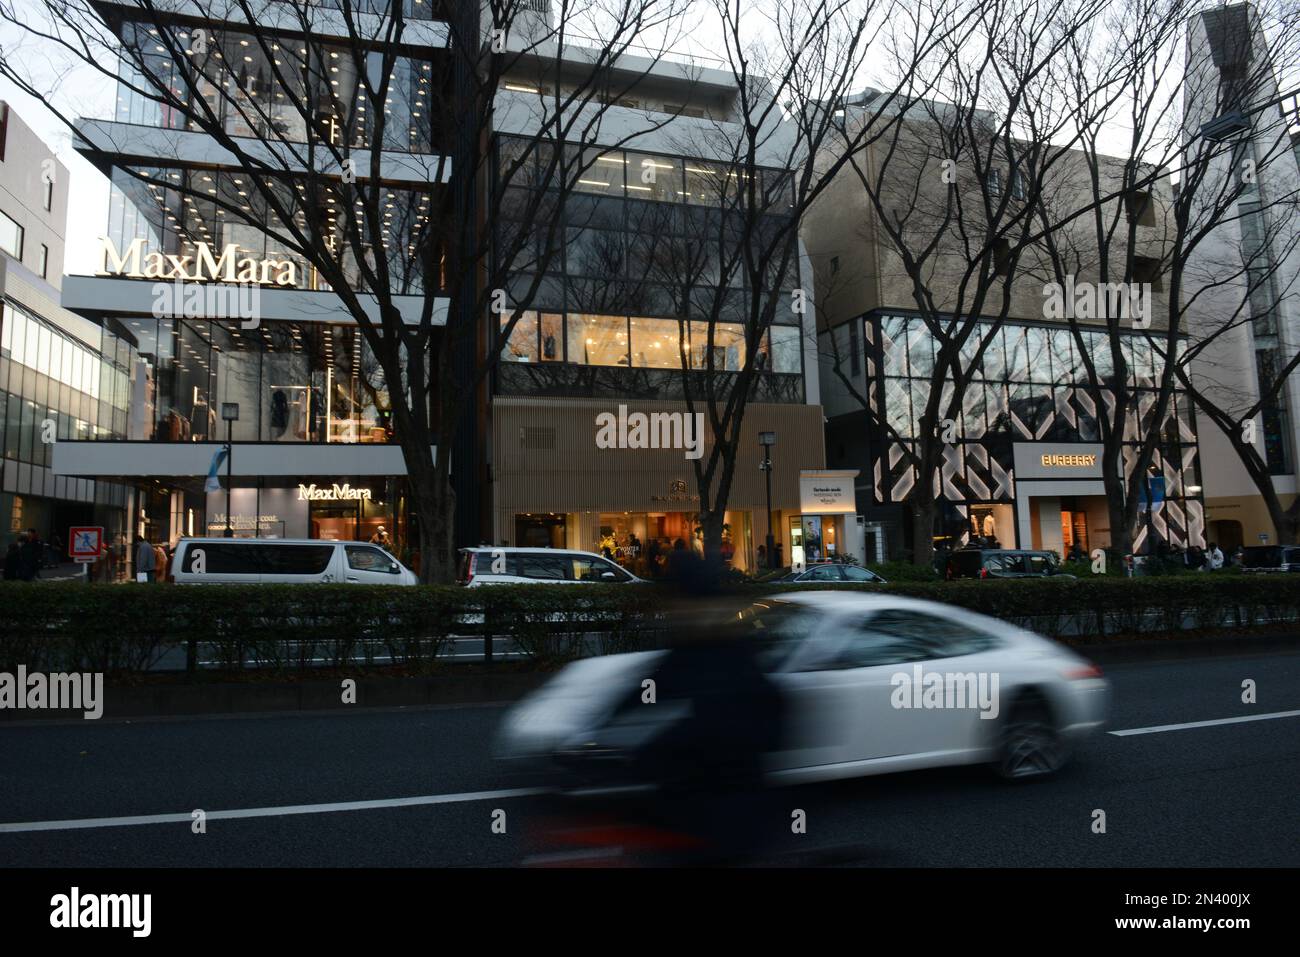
<point x="780" y="626"/>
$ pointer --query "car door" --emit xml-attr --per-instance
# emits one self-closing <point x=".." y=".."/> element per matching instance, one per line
<point x="937" y="671"/>
<point x="368" y="565"/>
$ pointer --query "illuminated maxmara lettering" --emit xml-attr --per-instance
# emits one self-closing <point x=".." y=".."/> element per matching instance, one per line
<point x="335" y="493"/>
<point x="200" y="267"/>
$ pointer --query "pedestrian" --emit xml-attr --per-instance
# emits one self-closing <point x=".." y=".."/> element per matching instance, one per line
<point x="13" y="561"/>
<point x="1239" y="557"/>
<point x="380" y="538"/>
<point x="145" y="561"/>
<point x="1214" y="558"/>
<point x="30" y="557"/>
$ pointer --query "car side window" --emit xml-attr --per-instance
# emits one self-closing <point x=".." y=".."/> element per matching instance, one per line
<point x="595" y="569"/>
<point x="855" y="574"/>
<point x="995" y="563"/>
<point x="1039" y="565"/>
<point x="1013" y="563"/>
<point x="823" y="573"/>
<point x="366" y="559"/>
<point x="544" y="567"/>
<point x="889" y="638"/>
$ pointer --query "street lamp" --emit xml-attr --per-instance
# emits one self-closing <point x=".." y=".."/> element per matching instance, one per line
<point x="229" y="412"/>
<point x="766" y="440"/>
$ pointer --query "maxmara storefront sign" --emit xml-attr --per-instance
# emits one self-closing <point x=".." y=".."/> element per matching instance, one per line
<point x="332" y="493"/>
<point x="202" y="266"/>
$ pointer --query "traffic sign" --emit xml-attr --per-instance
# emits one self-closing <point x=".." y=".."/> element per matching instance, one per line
<point x="86" y="542"/>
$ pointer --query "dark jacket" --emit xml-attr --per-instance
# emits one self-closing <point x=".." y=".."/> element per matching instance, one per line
<point x="29" y="562"/>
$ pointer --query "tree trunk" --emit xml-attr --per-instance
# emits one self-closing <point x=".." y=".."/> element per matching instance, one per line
<point x="923" y="511"/>
<point x="434" y="502"/>
<point x="711" y="523"/>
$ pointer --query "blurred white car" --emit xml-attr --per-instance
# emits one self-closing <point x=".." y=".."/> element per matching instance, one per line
<point x="872" y="683"/>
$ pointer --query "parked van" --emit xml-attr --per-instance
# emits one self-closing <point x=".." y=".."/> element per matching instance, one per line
<point x="1002" y="563"/>
<point x="290" y="560"/>
<point x="538" y="566"/>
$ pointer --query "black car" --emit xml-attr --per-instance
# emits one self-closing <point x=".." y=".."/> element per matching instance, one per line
<point x="1002" y="563"/>
<point x="1271" y="558"/>
<point x="828" y="572"/>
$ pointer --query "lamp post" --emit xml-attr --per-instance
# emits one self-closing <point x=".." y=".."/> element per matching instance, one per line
<point x="766" y="440"/>
<point x="229" y="412"/>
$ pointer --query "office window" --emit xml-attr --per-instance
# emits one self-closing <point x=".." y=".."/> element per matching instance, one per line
<point x="598" y="340"/>
<point x="656" y="343"/>
<point x="11" y="237"/>
<point x="45" y="261"/>
<point x="1019" y="188"/>
<point x="993" y="183"/>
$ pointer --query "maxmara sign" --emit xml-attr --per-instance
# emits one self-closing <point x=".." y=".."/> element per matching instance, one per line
<point x="332" y="493"/>
<point x="202" y="266"/>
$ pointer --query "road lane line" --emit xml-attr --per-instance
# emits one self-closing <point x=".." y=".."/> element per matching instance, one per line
<point x="1205" y="724"/>
<point x="284" y="811"/>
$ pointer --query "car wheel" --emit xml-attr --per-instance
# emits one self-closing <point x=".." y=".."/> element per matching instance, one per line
<point x="1029" y="745"/>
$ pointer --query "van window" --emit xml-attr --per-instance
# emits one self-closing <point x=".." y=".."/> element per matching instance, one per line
<point x="224" y="558"/>
<point x="296" y="559"/>
<point x="1041" y="564"/>
<point x="366" y="559"/>
<point x="593" y="570"/>
<point x="1012" y="562"/>
<point x="545" y="567"/>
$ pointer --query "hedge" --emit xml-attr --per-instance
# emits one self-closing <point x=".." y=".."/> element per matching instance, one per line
<point x="127" y="627"/>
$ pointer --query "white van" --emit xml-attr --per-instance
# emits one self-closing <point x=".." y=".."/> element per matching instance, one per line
<point x="290" y="560"/>
<point x="512" y="565"/>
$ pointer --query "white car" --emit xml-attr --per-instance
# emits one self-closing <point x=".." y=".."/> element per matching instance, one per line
<point x="872" y="683"/>
<point x="510" y="565"/>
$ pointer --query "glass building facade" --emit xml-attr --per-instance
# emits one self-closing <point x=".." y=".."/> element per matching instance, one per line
<point x="55" y="387"/>
<point x="294" y="382"/>
<point x="1031" y="387"/>
<point x="640" y="274"/>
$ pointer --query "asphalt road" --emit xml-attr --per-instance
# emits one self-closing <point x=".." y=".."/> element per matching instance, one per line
<point x="1206" y="796"/>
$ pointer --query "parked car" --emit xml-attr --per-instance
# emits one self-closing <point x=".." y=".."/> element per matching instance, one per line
<point x="287" y="560"/>
<point x="851" y="667"/>
<point x="510" y="565"/>
<point x="828" y="572"/>
<point x="1271" y="558"/>
<point x="1003" y="563"/>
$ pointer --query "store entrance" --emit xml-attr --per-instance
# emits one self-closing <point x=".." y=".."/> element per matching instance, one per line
<point x="539" y="531"/>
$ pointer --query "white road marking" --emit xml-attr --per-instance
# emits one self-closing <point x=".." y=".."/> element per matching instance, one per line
<point x="1205" y="724"/>
<point x="186" y="817"/>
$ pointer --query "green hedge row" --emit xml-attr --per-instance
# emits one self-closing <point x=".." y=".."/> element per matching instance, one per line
<point x="286" y="627"/>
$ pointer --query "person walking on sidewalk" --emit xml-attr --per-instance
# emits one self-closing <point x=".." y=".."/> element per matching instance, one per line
<point x="145" y="561"/>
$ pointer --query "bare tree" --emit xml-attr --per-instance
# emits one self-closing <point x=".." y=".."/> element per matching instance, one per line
<point x="323" y="110"/>
<point x="953" y="165"/>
